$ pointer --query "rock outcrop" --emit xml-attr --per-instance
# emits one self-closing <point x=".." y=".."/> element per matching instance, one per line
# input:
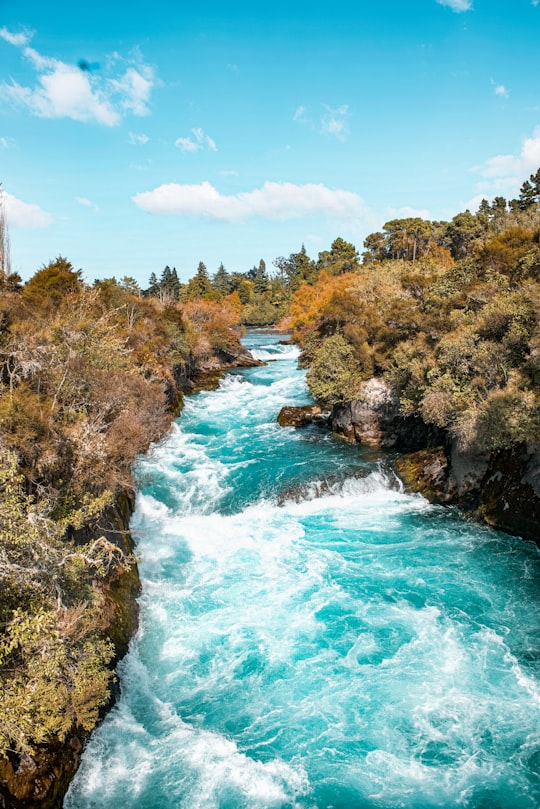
<point x="374" y="420"/>
<point x="290" y="416"/>
<point x="500" y="488"/>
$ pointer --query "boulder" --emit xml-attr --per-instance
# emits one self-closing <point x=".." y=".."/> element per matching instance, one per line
<point x="290" y="416"/>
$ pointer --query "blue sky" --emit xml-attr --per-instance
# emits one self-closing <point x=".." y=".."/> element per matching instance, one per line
<point x="138" y="135"/>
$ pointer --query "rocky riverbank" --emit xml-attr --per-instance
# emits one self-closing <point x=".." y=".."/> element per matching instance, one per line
<point x="500" y="488"/>
<point x="40" y="780"/>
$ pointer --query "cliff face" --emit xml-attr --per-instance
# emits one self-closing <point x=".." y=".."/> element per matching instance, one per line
<point x="41" y="781"/>
<point x="500" y="488"/>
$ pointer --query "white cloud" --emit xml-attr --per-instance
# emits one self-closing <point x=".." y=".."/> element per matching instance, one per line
<point x="63" y="93"/>
<point x="201" y="141"/>
<point x="134" y="89"/>
<point x="273" y="201"/>
<point x="187" y="145"/>
<point x="86" y="203"/>
<point x="504" y="174"/>
<point x="137" y="140"/>
<point x="457" y="5"/>
<point x="25" y="215"/>
<point x="332" y="122"/>
<point x="63" y="90"/>
<point x="19" y="39"/>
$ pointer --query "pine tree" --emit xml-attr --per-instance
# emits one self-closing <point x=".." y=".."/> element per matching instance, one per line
<point x="222" y="281"/>
<point x="260" y="279"/>
<point x="153" y="287"/>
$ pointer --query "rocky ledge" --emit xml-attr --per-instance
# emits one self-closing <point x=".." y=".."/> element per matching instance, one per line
<point x="290" y="416"/>
<point x="499" y="488"/>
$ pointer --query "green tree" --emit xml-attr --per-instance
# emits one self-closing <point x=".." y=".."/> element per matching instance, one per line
<point x="375" y="245"/>
<point x="335" y="374"/>
<point x="199" y="286"/>
<point x="152" y="290"/>
<point x="261" y="280"/>
<point x="341" y="258"/>
<point x="169" y="285"/>
<point x="463" y="232"/>
<point x="222" y="281"/>
<point x="297" y="269"/>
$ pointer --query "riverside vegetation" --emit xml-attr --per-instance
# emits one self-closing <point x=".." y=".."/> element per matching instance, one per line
<point x="444" y="313"/>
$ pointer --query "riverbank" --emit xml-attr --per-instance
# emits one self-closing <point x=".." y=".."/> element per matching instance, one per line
<point x="39" y="780"/>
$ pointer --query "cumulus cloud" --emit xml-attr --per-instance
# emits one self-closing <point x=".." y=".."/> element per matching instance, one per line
<point x="273" y="201"/>
<point x="21" y="214"/>
<point x="457" y="5"/>
<point x="504" y="174"/>
<point x="64" y="90"/>
<point x="334" y="121"/>
<point x="201" y="141"/>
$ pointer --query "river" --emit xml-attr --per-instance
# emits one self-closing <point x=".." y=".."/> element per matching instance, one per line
<point x="312" y="636"/>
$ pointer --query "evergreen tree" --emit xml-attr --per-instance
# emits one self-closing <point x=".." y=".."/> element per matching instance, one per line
<point x="199" y="286"/>
<point x="129" y="284"/>
<point x="169" y="285"/>
<point x="222" y="281"/>
<point x="297" y="269"/>
<point x="153" y="286"/>
<point x="260" y="279"/>
<point x="527" y="196"/>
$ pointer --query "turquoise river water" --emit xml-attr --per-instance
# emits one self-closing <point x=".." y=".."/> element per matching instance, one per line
<point x="311" y="636"/>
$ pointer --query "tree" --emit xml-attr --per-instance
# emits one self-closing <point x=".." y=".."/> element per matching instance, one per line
<point x="342" y="258"/>
<point x="129" y="284"/>
<point x="375" y="245"/>
<point x="169" y="285"/>
<point x="260" y="279"/>
<point x="529" y="193"/>
<point x="50" y="285"/>
<point x="335" y="373"/>
<point x="297" y="269"/>
<point x="222" y="281"/>
<point x="199" y="286"/>
<point x="153" y="287"/>
<point x="5" y="249"/>
<point x="462" y="232"/>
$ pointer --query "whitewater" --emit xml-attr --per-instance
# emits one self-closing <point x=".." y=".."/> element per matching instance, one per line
<point x="311" y="636"/>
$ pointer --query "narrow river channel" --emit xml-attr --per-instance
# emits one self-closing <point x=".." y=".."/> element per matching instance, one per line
<point x="311" y="636"/>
